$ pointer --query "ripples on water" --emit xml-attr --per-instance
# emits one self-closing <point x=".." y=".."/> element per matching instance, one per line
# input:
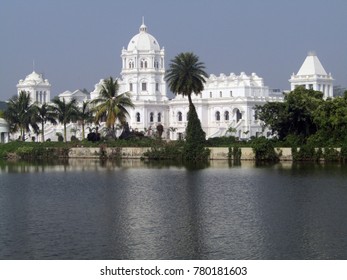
<point x="135" y="210"/>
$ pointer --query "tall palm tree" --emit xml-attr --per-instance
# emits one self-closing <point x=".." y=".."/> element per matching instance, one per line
<point x="112" y="106"/>
<point x="20" y="114"/>
<point x="85" y="115"/>
<point x="45" y="113"/>
<point x="65" y="111"/>
<point x="186" y="74"/>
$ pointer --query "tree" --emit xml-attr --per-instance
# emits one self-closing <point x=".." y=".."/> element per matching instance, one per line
<point x="330" y="118"/>
<point x="65" y="111"/>
<point x="293" y="117"/>
<point x="45" y="113"/>
<point x="186" y="75"/>
<point x="111" y="105"/>
<point x="85" y="115"/>
<point x="20" y="114"/>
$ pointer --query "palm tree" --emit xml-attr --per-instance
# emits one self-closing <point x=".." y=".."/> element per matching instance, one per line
<point x="111" y="105"/>
<point x="186" y="75"/>
<point x="65" y="111"/>
<point x="85" y="115"/>
<point x="45" y="113"/>
<point x="20" y="114"/>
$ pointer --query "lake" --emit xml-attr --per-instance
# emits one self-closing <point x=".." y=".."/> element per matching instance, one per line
<point x="87" y="209"/>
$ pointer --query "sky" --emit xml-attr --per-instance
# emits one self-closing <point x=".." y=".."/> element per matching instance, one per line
<point x="75" y="43"/>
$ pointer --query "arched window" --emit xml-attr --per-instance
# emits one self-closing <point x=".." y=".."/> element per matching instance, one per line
<point x="151" y="117"/>
<point x="130" y="65"/>
<point x="159" y="117"/>
<point x="238" y="115"/>
<point x="226" y="115"/>
<point x="179" y="116"/>
<point x="138" y="117"/>
<point x="145" y="64"/>
<point x="217" y="116"/>
<point x="141" y="63"/>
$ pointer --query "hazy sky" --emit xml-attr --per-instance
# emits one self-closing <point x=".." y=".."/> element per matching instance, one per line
<point x="75" y="43"/>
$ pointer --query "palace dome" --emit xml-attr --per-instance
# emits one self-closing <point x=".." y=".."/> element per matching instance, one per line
<point x="143" y="41"/>
<point x="34" y="79"/>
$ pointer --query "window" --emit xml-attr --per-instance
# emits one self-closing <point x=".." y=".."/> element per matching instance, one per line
<point x="159" y="117"/>
<point x="310" y="86"/>
<point x="179" y="115"/>
<point x="145" y="64"/>
<point x="238" y="115"/>
<point x="220" y="94"/>
<point x="131" y="87"/>
<point x="210" y="94"/>
<point x="217" y="116"/>
<point x="157" y="86"/>
<point x="138" y="117"/>
<point x="144" y="86"/>
<point x="231" y="93"/>
<point x="226" y="115"/>
<point x="151" y="117"/>
<point x="141" y="64"/>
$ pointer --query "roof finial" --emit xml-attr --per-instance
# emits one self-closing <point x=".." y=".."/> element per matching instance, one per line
<point x="33" y="65"/>
<point x="143" y="27"/>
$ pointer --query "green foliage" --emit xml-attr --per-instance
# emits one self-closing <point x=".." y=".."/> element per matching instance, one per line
<point x="111" y="105"/>
<point x="20" y="114"/>
<point x="331" y="154"/>
<point x="186" y="74"/>
<point x="264" y="150"/>
<point x="224" y="141"/>
<point x="235" y="153"/>
<point x="306" y="153"/>
<point x="195" y="146"/>
<point x="295" y="116"/>
<point x="166" y="150"/>
<point x="305" y="118"/>
<point x="65" y="112"/>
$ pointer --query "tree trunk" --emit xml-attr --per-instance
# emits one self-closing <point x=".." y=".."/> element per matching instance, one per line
<point x="190" y="100"/>
<point x="65" y="133"/>
<point x="43" y="131"/>
<point x="82" y="130"/>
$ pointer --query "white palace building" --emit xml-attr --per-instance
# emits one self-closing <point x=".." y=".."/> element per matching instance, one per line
<point x="225" y="106"/>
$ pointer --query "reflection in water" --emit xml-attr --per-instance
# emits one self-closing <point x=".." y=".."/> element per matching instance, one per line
<point x="129" y="209"/>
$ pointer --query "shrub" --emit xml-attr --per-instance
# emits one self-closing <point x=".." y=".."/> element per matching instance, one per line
<point x="195" y="146"/>
<point x="306" y="153"/>
<point x="264" y="150"/>
<point x="331" y="154"/>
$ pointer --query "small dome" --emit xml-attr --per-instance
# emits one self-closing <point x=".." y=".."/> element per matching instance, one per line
<point x="143" y="41"/>
<point x="35" y="77"/>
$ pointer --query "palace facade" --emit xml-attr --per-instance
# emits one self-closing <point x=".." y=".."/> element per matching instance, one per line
<point x="225" y="107"/>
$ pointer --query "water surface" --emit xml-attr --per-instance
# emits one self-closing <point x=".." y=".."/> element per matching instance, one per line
<point x="84" y="209"/>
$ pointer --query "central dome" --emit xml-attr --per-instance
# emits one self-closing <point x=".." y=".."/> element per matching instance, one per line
<point x="143" y="41"/>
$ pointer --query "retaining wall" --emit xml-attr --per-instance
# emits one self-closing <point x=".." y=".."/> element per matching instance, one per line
<point x="217" y="153"/>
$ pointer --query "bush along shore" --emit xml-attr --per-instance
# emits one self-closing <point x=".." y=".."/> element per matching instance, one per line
<point x="227" y="148"/>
